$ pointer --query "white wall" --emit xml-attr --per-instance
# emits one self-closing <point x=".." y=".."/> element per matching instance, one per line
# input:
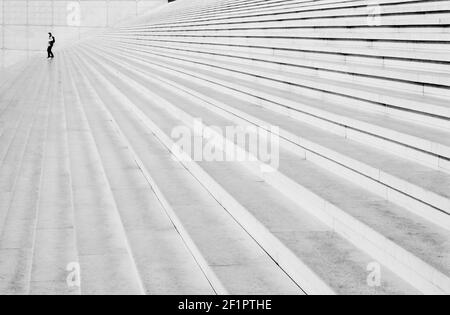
<point x="24" y="24"/>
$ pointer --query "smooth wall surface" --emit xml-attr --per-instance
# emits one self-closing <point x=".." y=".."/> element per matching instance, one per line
<point x="24" y="24"/>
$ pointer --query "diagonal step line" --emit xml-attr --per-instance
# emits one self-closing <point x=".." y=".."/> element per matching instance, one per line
<point x="43" y="280"/>
<point x="21" y="116"/>
<point x="122" y="232"/>
<point x="354" y="222"/>
<point x="323" y="119"/>
<point x="67" y="151"/>
<point x="17" y="82"/>
<point x="22" y="156"/>
<point x="437" y="215"/>
<point x="410" y="112"/>
<point x="50" y="104"/>
<point x="215" y="283"/>
<point x="36" y="112"/>
<point x="316" y="286"/>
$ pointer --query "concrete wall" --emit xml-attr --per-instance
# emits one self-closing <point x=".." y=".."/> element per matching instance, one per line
<point x="24" y="24"/>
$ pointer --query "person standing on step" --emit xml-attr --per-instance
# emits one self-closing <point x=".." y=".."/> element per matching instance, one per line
<point x="51" y="42"/>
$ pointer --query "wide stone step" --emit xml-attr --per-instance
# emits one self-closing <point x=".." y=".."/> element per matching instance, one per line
<point x="312" y="182"/>
<point x="415" y="81"/>
<point x="365" y="163"/>
<point x="163" y="270"/>
<point x="55" y="252"/>
<point x="20" y="179"/>
<point x="428" y="110"/>
<point x="339" y="11"/>
<point x="209" y="232"/>
<point x="105" y="259"/>
<point x="153" y="115"/>
<point x="327" y="115"/>
<point x="378" y="58"/>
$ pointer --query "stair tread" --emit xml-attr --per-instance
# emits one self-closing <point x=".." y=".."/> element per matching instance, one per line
<point x="54" y="246"/>
<point x="104" y="257"/>
<point x="161" y="118"/>
<point x="384" y="94"/>
<point x="429" y="179"/>
<point x="422" y="54"/>
<point x="431" y="76"/>
<point x="197" y="209"/>
<point x="177" y="271"/>
<point x="295" y="167"/>
<point x="344" y="12"/>
<point x="324" y="251"/>
<point x="19" y="216"/>
<point x="432" y="134"/>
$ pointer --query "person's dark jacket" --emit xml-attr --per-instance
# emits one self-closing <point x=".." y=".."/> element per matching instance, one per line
<point x="51" y="41"/>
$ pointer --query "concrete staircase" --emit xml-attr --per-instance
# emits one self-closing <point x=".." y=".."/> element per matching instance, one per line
<point x="92" y="173"/>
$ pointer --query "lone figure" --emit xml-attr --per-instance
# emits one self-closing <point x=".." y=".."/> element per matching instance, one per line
<point x="51" y="42"/>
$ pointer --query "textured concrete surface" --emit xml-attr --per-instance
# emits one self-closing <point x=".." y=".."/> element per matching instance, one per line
<point x="91" y="181"/>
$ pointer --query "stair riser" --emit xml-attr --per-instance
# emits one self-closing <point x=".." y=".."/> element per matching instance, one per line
<point x="364" y="237"/>
<point x="98" y="246"/>
<point x="402" y="145"/>
<point x="374" y="180"/>
<point x="14" y="151"/>
<point x="18" y="228"/>
<point x="398" y="108"/>
<point x="362" y="100"/>
<point x="12" y="115"/>
<point x="341" y="18"/>
<point x="301" y="274"/>
<point x="425" y="85"/>
<point x="434" y="33"/>
<point x="55" y="220"/>
<point x="438" y="61"/>
<point x="217" y="285"/>
<point x="235" y="9"/>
